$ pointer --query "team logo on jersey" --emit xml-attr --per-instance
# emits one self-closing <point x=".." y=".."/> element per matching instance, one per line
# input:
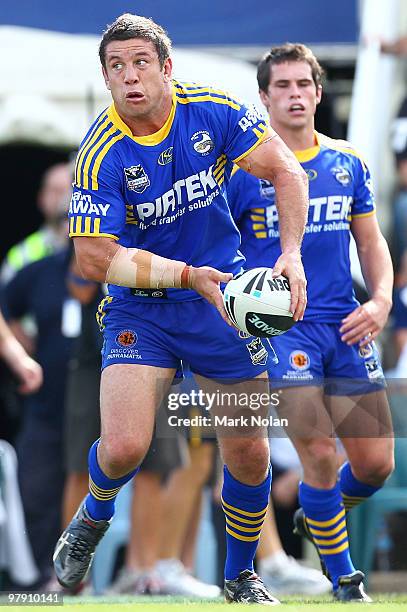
<point x="342" y="175"/>
<point x="299" y="360"/>
<point x="136" y="178"/>
<point x="126" y="338"/>
<point x="202" y="142"/>
<point x="258" y="352"/>
<point x="266" y="189"/>
<point x="165" y="156"/>
<point x="311" y="173"/>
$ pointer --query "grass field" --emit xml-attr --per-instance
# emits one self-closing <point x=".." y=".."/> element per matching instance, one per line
<point x="385" y="601"/>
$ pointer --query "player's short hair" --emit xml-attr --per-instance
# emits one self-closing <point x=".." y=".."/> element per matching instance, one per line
<point x="289" y="52"/>
<point x="128" y="26"/>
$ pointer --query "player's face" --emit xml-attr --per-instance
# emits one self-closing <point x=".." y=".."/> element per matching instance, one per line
<point x="292" y="95"/>
<point x="133" y="74"/>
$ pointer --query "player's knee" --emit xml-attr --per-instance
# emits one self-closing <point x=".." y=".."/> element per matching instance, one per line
<point x="320" y="462"/>
<point x="249" y="459"/>
<point x="373" y="470"/>
<point x="123" y="454"/>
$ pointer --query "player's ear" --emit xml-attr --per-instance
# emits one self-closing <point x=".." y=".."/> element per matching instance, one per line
<point x="167" y="69"/>
<point x="264" y="97"/>
<point x="104" y="72"/>
<point x="319" y="93"/>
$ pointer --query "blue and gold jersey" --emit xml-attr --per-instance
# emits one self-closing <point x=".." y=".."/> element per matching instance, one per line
<point x="340" y="189"/>
<point x="166" y="193"/>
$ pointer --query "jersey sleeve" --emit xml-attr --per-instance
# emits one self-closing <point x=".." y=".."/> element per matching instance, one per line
<point x="246" y="128"/>
<point x="97" y="205"/>
<point x="243" y="193"/>
<point x="364" y="201"/>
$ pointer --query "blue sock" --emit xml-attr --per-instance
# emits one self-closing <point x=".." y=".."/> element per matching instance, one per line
<point x="245" y="508"/>
<point x="353" y="491"/>
<point x="102" y="490"/>
<point x="326" y="520"/>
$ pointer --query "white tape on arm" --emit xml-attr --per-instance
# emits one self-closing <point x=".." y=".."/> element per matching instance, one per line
<point x="138" y="268"/>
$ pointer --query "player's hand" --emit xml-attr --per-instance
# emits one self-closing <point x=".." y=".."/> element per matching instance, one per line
<point x="290" y="265"/>
<point x="365" y="323"/>
<point x="205" y="281"/>
<point x="30" y="374"/>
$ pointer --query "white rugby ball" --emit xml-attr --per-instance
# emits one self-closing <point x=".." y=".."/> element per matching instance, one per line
<point x="259" y="304"/>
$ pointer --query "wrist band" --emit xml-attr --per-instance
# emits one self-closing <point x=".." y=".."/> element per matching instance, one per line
<point x="185" y="277"/>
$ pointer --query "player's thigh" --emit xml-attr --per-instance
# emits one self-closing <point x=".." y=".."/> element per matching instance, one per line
<point x="304" y="412"/>
<point x="130" y="395"/>
<point x="364" y="424"/>
<point x="361" y="416"/>
<point x="307" y="422"/>
<point x="237" y="412"/>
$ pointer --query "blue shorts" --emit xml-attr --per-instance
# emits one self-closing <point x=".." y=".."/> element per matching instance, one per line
<point x="314" y="354"/>
<point x="163" y="334"/>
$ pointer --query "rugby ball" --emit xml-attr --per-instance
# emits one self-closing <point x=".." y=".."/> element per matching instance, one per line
<point x="258" y="304"/>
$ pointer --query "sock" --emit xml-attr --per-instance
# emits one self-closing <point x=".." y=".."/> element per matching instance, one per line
<point x="102" y="490"/>
<point x="245" y="508"/>
<point x="326" y="520"/>
<point x="353" y="491"/>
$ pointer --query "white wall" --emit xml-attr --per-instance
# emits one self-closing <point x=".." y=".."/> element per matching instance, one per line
<point x="52" y="87"/>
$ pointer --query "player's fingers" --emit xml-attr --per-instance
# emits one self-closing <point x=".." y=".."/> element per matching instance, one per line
<point x="217" y="300"/>
<point x="352" y="317"/>
<point x="277" y="269"/>
<point x="356" y="333"/>
<point x="301" y="304"/>
<point x="369" y="338"/>
<point x="294" y="302"/>
<point x="222" y="277"/>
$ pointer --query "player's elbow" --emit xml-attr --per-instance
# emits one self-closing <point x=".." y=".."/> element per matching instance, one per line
<point x="91" y="270"/>
<point x="292" y="174"/>
<point x="93" y="256"/>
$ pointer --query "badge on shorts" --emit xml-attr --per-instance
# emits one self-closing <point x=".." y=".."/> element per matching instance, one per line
<point x="299" y="360"/>
<point x="258" y="352"/>
<point x="366" y="351"/>
<point x="126" y="338"/>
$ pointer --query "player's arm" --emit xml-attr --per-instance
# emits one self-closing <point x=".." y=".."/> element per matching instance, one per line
<point x="24" y="367"/>
<point x="101" y="259"/>
<point x="366" y="322"/>
<point x="273" y="160"/>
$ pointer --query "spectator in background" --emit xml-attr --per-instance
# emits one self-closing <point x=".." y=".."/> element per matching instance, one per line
<point x="399" y="318"/>
<point x="51" y="236"/>
<point x="399" y="146"/>
<point x="55" y="183"/>
<point x="39" y="290"/>
<point x="28" y="371"/>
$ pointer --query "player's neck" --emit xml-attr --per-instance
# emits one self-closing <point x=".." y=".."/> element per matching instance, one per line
<point x="151" y="122"/>
<point x="297" y="139"/>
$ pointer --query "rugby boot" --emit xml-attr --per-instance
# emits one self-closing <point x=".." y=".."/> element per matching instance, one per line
<point x="350" y="588"/>
<point x="248" y="588"/>
<point x="301" y="529"/>
<point x="75" y="548"/>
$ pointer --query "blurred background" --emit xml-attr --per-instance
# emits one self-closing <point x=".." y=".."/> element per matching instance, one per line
<point x="51" y="89"/>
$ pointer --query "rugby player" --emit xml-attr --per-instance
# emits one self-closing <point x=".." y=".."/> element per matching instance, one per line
<point x="149" y="216"/>
<point x="328" y="362"/>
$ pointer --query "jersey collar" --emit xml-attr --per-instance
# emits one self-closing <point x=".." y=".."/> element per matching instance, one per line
<point x="307" y="154"/>
<point x="152" y="139"/>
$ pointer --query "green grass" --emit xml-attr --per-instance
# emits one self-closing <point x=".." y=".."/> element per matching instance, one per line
<point x="384" y="601"/>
